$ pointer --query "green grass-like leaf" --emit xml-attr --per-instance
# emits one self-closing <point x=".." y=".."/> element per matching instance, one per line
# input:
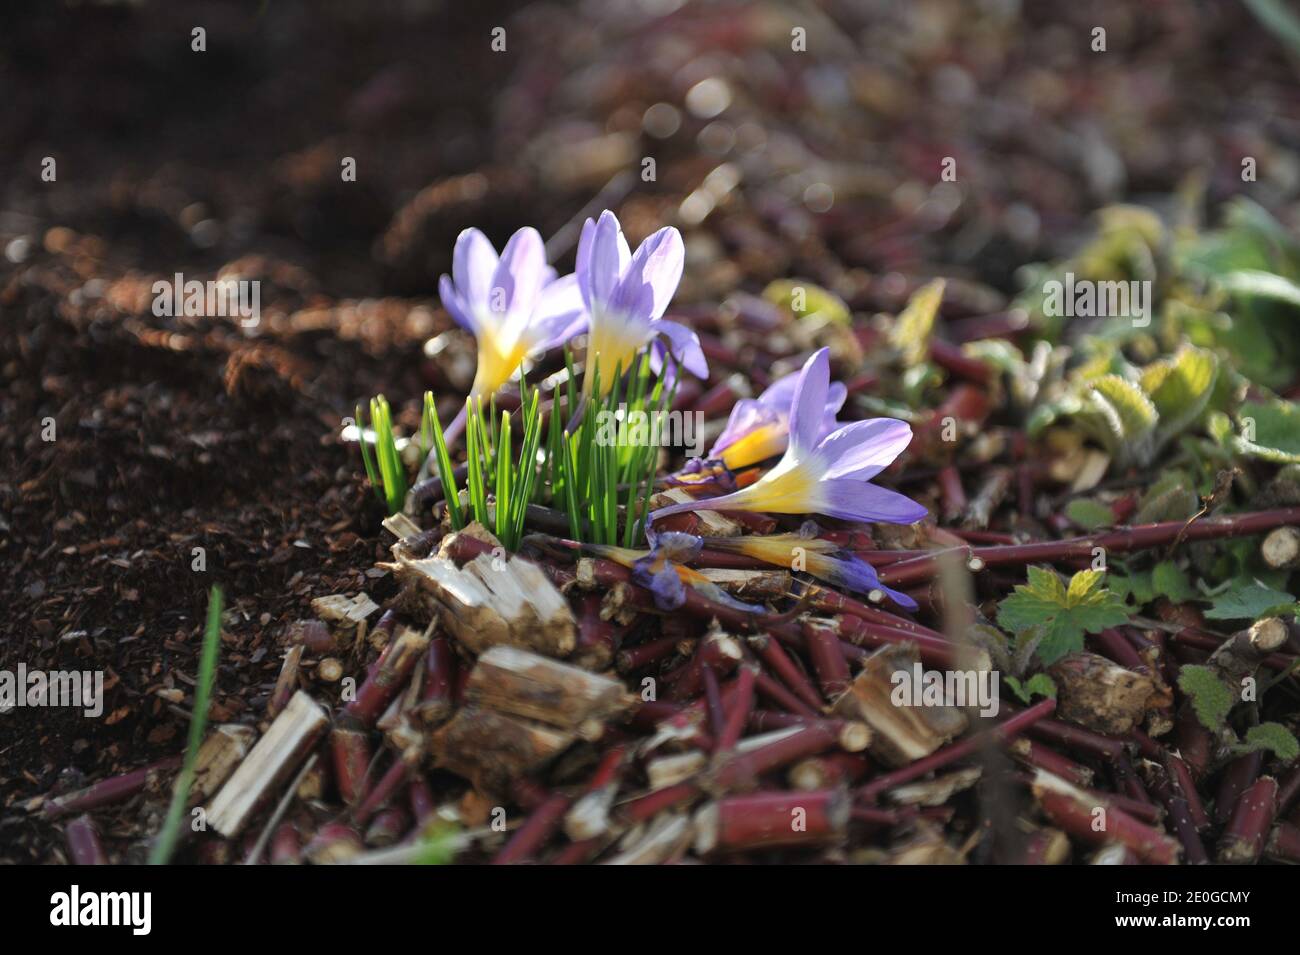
<point x="442" y="458"/>
<point x="386" y="472"/>
<point x="165" y="844"/>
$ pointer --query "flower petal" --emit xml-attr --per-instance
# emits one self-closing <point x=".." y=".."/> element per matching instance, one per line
<point x="859" y="501"/>
<point x="559" y="316"/>
<point x="856" y="574"/>
<point x="651" y="279"/>
<point x="660" y="577"/>
<point x="678" y="546"/>
<point x="518" y="277"/>
<point x="862" y="449"/>
<point x="582" y="267"/>
<point x="603" y="256"/>
<point x="807" y="409"/>
<point x="747" y="415"/>
<point x="456" y="307"/>
<point x="473" y="263"/>
<point x="684" y="345"/>
<point x="758" y="428"/>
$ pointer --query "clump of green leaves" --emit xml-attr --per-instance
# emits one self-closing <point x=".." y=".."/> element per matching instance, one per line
<point x="1240" y="285"/>
<point x="1166" y="579"/>
<point x="1212" y="701"/>
<point x="493" y="466"/>
<point x="165" y="844"/>
<point x="601" y="466"/>
<point x="1054" y="617"/>
<point x="384" y="468"/>
<point x="597" y="461"/>
<point x="1135" y="413"/>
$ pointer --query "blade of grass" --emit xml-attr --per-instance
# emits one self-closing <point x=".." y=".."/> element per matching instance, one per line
<point x="528" y="465"/>
<point x="372" y="474"/>
<point x="503" y="488"/>
<point x="165" y="844"/>
<point x="474" y="477"/>
<point x="391" y="468"/>
<point x="443" y="459"/>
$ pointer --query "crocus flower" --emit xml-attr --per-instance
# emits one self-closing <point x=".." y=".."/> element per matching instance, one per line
<point x="514" y="305"/>
<point x="824" y="559"/>
<point x="759" y="428"/>
<point x="662" y="571"/>
<point x="827" y="475"/>
<point x="626" y="294"/>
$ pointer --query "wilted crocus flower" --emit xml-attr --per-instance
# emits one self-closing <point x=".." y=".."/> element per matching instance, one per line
<point x="626" y="294"/>
<point x="514" y="305"/>
<point x="827" y="475"/>
<point x="662" y="571"/>
<point x="759" y="428"/>
<point x="824" y="559"/>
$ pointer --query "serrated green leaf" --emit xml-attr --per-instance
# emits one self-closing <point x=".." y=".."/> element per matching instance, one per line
<point x="1270" y="430"/>
<point x="1250" y="599"/>
<point x="1064" y="615"/>
<point x="1180" y="387"/>
<point x="1136" y="411"/>
<point x="1169" y="580"/>
<point x="1119" y="414"/>
<point x="1082" y="585"/>
<point x="1211" y="700"/>
<point x="911" y="330"/>
<point x="1040" y="684"/>
<point x="1136" y="586"/>
<point x="1089" y="514"/>
<point x="1273" y="737"/>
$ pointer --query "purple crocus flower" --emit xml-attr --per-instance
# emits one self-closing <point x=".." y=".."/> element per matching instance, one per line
<point x="664" y="573"/>
<point x="626" y="294"/>
<point x="513" y="304"/>
<point x="820" y="558"/>
<point x="759" y="428"/>
<point x="825" y="475"/>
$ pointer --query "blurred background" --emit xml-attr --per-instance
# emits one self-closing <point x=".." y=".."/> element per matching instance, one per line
<point x="866" y="145"/>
